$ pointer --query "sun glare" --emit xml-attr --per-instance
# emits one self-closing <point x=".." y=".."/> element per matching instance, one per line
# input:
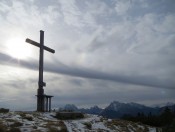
<point x="17" y="48"/>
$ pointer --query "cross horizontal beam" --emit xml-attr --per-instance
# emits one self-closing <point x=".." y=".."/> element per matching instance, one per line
<point x="38" y="45"/>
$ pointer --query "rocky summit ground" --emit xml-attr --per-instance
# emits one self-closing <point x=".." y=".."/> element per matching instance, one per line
<point x="45" y="122"/>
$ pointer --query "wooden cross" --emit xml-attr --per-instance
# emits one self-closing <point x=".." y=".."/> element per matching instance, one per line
<point x="40" y="94"/>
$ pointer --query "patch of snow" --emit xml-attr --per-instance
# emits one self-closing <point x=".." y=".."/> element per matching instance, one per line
<point x="100" y="125"/>
<point x="109" y="120"/>
<point x="152" y="129"/>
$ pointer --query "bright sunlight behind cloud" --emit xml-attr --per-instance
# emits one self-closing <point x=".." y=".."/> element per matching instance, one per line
<point x="16" y="48"/>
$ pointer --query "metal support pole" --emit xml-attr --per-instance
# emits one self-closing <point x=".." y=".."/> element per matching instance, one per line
<point x="47" y="104"/>
<point x="50" y="104"/>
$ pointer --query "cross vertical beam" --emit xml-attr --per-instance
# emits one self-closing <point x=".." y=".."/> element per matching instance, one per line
<point x="41" y="57"/>
<point x="40" y="102"/>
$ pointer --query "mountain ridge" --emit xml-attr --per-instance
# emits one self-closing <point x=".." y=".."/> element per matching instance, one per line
<point x="118" y="109"/>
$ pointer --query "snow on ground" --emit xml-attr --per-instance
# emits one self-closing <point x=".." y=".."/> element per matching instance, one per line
<point x="45" y="122"/>
<point x="90" y="123"/>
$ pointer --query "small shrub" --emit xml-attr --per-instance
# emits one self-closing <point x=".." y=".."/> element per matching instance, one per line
<point x="34" y="127"/>
<point x="22" y="114"/>
<point x="36" y="114"/>
<point x="25" y="116"/>
<point x="146" y="129"/>
<point x="16" y="124"/>
<point x="63" y="127"/>
<point x="53" y="126"/>
<point x="88" y="125"/>
<point x="30" y="118"/>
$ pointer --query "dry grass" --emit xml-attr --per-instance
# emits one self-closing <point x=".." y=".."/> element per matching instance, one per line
<point x="8" y="124"/>
<point x="10" y="120"/>
<point x="3" y="128"/>
<point x="53" y="129"/>
<point x="56" y="126"/>
<point x="16" y="124"/>
<point x="69" y="115"/>
<point x="14" y="130"/>
<point x="10" y="128"/>
<point x="127" y="126"/>
<point x="62" y="126"/>
<point x="36" y="131"/>
<point x="25" y="116"/>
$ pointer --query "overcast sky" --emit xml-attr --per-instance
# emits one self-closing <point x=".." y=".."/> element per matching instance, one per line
<point x="106" y="50"/>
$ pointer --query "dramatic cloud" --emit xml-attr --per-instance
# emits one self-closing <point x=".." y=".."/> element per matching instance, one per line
<point x="105" y="50"/>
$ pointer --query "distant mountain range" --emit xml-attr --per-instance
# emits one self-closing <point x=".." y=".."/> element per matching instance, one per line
<point x="117" y="109"/>
<point x="163" y="104"/>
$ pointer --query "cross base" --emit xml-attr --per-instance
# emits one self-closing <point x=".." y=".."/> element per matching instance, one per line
<point x="44" y="103"/>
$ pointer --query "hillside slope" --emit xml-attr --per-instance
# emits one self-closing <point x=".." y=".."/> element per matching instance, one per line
<point x="45" y="122"/>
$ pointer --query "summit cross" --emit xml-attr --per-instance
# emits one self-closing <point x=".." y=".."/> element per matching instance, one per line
<point x="42" y="99"/>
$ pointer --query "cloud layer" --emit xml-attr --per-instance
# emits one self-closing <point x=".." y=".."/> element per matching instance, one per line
<point x="105" y="50"/>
